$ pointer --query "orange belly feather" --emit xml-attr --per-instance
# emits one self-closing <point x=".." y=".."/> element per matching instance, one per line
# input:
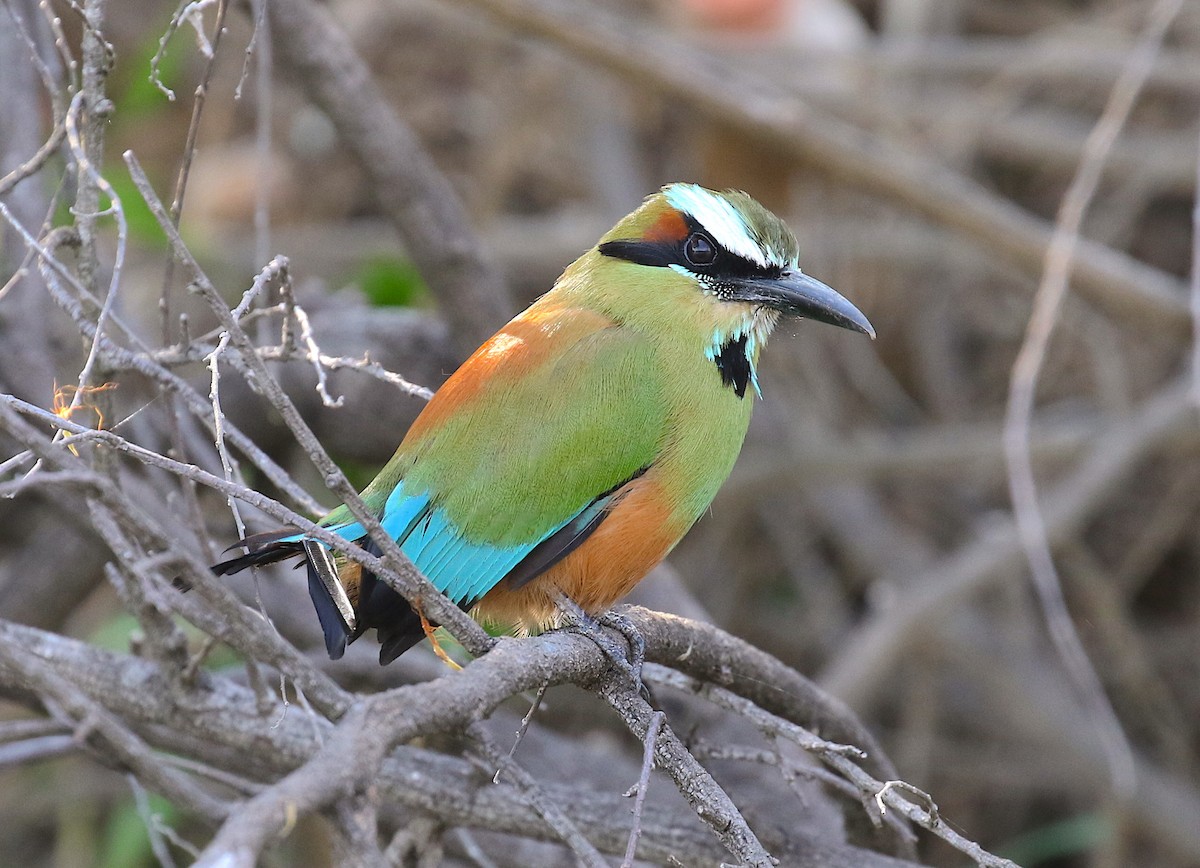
<point x="635" y="535"/>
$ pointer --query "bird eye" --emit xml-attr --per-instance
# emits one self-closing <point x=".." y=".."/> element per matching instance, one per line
<point x="699" y="249"/>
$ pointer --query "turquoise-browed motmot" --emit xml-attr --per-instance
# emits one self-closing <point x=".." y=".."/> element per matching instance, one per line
<point x="575" y="448"/>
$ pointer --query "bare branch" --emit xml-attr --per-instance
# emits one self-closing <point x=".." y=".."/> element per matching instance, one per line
<point x="416" y="197"/>
<point x="1060" y="258"/>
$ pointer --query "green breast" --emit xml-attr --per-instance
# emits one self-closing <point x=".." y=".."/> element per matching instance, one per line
<point x="708" y="424"/>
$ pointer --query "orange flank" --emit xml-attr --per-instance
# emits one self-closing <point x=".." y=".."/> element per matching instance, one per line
<point x="637" y="533"/>
<point x="537" y="336"/>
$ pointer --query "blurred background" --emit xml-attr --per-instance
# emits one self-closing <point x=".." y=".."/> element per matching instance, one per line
<point x="921" y="151"/>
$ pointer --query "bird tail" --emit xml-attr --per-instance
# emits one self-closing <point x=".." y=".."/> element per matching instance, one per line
<point x="264" y="548"/>
<point x="348" y="601"/>
<point x="334" y="608"/>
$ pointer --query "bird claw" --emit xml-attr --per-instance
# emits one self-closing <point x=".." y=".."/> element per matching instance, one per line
<point x="637" y="644"/>
<point x="629" y="660"/>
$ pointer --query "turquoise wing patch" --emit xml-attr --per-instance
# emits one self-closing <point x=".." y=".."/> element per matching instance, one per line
<point x="462" y="570"/>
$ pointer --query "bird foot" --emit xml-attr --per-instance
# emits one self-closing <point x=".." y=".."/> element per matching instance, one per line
<point x="637" y="643"/>
<point x="630" y="659"/>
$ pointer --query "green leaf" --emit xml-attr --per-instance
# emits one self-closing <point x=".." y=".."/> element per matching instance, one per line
<point x="136" y="96"/>
<point x="142" y="224"/>
<point x="113" y="634"/>
<point x="392" y="282"/>
<point x="126" y="841"/>
<point x="1068" y="837"/>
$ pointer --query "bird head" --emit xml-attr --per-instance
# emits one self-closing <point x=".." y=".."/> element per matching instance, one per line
<point x="720" y="255"/>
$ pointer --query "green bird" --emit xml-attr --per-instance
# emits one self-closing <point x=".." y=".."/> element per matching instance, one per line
<point x="574" y="449"/>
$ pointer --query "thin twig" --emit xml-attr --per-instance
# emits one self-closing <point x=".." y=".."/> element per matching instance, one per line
<point x="1195" y="290"/>
<point x="314" y="354"/>
<point x="523" y="727"/>
<point x="152" y="822"/>
<point x="656" y="721"/>
<point x="36" y="749"/>
<point x="185" y="8"/>
<point x="58" y="131"/>
<point x="412" y="585"/>
<point x="363" y="366"/>
<point x="1059" y="260"/>
<point x="529" y="788"/>
<point x="704" y="794"/>
<point x="768" y="723"/>
<point x="189" y="147"/>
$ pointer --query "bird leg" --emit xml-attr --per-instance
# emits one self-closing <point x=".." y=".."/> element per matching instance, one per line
<point x="431" y="634"/>
<point x="628" y="660"/>
<point x="637" y="642"/>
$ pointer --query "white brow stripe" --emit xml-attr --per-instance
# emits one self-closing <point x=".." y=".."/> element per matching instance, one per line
<point x="718" y="217"/>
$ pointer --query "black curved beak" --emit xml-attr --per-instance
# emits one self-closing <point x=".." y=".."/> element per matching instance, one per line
<point x="794" y="293"/>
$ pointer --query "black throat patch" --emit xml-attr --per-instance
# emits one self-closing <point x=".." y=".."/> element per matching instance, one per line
<point x="734" y="364"/>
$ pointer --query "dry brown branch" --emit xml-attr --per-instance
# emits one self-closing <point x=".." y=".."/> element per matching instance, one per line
<point x="189" y="147"/>
<point x="859" y="535"/>
<point x="329" y="777"/>
<point x="227" y="715"/>
<point x="420" y="202"/>
<point x="880" y="641"/>
<point x="1060" y="257"/>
